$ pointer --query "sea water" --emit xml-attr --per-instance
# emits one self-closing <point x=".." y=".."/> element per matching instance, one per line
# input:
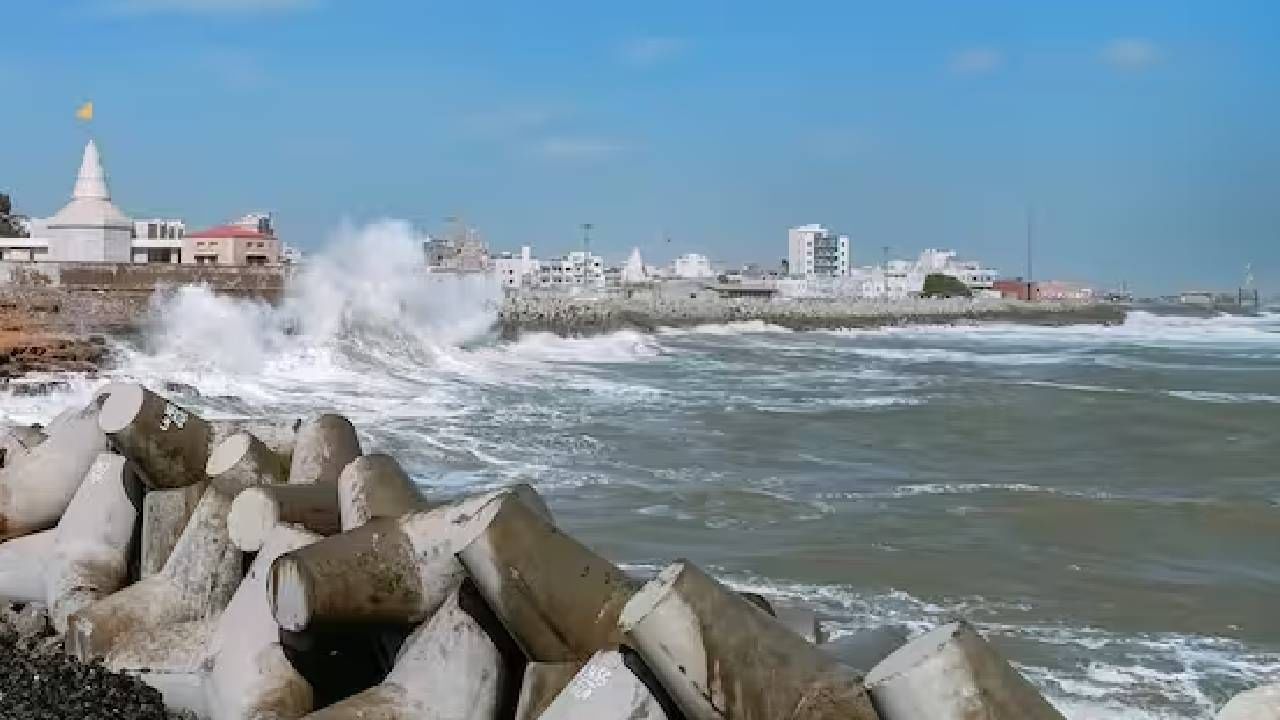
<point x="1103" y="502"/>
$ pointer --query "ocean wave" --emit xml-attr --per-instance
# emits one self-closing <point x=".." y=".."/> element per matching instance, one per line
<point x="745" y="327"/>
<point x="1223" y="398"/>
<point x="1189" y="674"/>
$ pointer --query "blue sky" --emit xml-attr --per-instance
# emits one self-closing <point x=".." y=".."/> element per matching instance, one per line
<point x="1143" y="133"/>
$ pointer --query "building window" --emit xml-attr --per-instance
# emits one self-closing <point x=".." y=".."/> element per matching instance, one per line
<point x="151" y="231"/>
<point x="255" y="259"/>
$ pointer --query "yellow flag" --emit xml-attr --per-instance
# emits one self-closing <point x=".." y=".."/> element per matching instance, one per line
<point x="85" y="112"/>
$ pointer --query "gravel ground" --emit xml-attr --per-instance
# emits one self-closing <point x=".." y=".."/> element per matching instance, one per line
<point x="38" y="681"/>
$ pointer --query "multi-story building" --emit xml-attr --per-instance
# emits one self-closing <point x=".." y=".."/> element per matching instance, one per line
<point x="578" y="268"/>
<point x="158" y="240"/>
<point x="251" y="240"/>
<point x="462" y="250"/>
<point x="515" y="271"/>
<point x="815" y="251"/>
<point x="691" y="266"/>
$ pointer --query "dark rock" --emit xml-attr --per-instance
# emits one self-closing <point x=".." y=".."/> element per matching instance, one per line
<point x="38" y="681"/>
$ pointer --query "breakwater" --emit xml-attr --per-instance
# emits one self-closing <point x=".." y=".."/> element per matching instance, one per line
<point x="583" y="315"/>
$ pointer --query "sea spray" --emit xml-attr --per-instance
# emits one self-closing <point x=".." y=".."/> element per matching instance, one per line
<point x="366" y="296"/>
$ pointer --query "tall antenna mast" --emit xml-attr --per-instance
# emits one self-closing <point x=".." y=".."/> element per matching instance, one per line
<point x="1030" y="235"/>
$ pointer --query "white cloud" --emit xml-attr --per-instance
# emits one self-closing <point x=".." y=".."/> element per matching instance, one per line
<point x="976" y="61"/>
<point x="578" y="148"/>
<point x="1132" y="54"/>
<point x="652" y="50"/>
<point x="203" y="7"/>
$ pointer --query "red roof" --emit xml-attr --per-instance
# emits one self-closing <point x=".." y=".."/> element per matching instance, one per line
<point x="229" y="231"/>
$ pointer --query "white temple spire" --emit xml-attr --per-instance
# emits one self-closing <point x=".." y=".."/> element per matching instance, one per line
<point x="91" y="183"/>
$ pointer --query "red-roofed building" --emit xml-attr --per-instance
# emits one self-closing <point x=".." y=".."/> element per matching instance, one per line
<point x="251" y="240"/>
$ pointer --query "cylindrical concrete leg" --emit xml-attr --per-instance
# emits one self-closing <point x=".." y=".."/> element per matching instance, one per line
<point x="36" y="488"/>
<point x="449" y="669"/>
<point x="374" y="486"/>
<point x="23" y="561"/>
<point x="168" y="443"/>
<point x="802" y="621"/>
<point x="556" y="598"/>
<point x="243" y="461"/>
<point x="258" y="510"/>
<point x="197" y="581"/>
<point x="168" y="657"/>
<point x="324" y="446"/>
<point x="164" y="516"/>
<point x="389" y="570"/>
<point x="91" y="549"/>
<point x="541" y="683"/>
<point x="951" y="673"/>
<point x="250" y="675"/>
<point x="605" y="689"/>
<point x="720" y="657"/>
<point x="1260" y="703"/>
<point x="278" y="435"/>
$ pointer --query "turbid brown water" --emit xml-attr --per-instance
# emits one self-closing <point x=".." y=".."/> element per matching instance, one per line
<point x="1104" y="502"/>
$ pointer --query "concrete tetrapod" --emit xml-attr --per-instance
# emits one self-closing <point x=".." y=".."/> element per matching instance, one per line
<point x="951" y="673"/>
<point x="719" y="656"/>
<point x="249" y="675"/>
<point x="36" y="488"/>
<point x="540" y="684"/>
<point x="278" y="435"/>
<point x="241" y="461"/>
<point x="375" y="486"/>
<point x="557" y="599"/>
<point x="1260" y="703"/>
<point x="23" y="561"/>
<point x="605" y="689"/>
<point x="390" y="570"/>
<point x="323" y="448"/>
<point x="164" y="516"/>
<point x="196" y="583"/>
<point x="448" y="669"/>
<point x="91" y="543"/>
<point x="258" y="510"/>
<point x="169" y="444"/>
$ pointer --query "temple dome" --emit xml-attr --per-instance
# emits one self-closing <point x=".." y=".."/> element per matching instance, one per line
<point x="90" y="205"/>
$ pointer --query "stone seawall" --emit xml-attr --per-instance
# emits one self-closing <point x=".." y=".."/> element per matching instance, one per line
<point x="84" y="298"/>
<point x="53" y="315"/>
<point x="565" y="315"/>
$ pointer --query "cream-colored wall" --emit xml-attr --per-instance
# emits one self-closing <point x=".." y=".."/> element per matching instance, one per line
<point x="230" y="251"/>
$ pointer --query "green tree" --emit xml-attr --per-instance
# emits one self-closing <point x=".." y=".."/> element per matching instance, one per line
<point x="8" y="225"/>
<point x="944" y="286"/>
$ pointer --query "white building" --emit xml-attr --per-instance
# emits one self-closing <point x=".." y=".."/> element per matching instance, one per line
<point x="691" y="266"/>
<point x="89" y="228"/>
<point x="905" y="278"/>
<point x="814" y="251"/>
<point x="578" y="268"/>
<point x="158" y="240"/>
<point x="516" y="271"/>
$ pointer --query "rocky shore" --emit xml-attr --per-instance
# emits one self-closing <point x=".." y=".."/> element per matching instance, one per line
<point x="39" y="681"/>
<point x="585" y="315"/>
<point x="24" y="352"/>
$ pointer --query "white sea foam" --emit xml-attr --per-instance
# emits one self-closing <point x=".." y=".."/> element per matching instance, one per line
<point x="1112" y="686"/>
